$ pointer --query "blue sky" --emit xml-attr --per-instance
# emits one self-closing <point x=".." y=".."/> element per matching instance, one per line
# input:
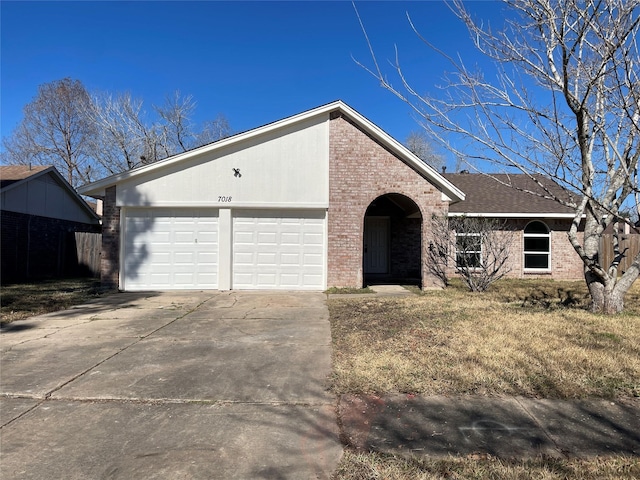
<point x="254" y="62"/>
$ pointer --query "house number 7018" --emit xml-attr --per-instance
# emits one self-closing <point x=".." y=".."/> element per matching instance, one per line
<point x="224" y="199"/>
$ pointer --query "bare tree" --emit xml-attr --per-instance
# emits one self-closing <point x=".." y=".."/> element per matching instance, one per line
<point x="476" y="248"/>
<point x="88" y="137"/>
<point x="214" y="130"/>
<point x="565" y="103"/>
<point x="179" y="133"/>
<point x="129" y="139"/>
<point x="418" y="143"/>
<point x="124" y="137"/>
<point x="55" y="132"/>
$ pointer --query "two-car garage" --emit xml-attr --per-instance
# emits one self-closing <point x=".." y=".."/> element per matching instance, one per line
<point x="281" y="206"/>
<point x="180" y="248"/>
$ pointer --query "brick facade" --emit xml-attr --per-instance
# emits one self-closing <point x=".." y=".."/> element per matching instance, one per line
<point x="565" y="262"/>
<point x="110" y="261"/>
<point x="39" y="247"/>
<point x="361" y="170"/>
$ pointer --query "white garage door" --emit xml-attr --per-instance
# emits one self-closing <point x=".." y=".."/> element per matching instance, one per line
<point x="279" y="250"/>
<point x="170" y="249"/>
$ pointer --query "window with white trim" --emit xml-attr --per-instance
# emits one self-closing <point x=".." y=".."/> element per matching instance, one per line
<point x="537" y="246"/>
<point x="468" y="250"/>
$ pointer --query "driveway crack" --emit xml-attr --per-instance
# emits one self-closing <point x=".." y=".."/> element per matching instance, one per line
<point x="50" y="334"/>
<point x="541" y="427"/>
<point x="126" y="347"/>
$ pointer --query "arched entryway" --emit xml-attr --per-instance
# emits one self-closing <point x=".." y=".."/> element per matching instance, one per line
<point x="392" y="241"/>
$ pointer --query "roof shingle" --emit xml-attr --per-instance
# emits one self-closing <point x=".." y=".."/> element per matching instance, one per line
<point x="492" y="194"/>
<point x="14" y="173"/>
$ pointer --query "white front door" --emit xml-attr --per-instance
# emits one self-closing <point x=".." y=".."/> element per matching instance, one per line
<point x="376" y="245"/>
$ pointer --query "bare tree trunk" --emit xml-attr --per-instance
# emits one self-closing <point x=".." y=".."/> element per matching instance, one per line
<point x="613" y="301"/>
<point x="605" y="298"/>
<point x="596" y="291"/>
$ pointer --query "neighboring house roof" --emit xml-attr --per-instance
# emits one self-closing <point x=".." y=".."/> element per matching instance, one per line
<point x="502" y="195"/>
<point x="11" y="174"/>
<point x="14" y="176"/>
<point x="454" y="194"/>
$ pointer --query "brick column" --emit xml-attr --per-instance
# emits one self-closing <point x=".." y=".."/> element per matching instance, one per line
<point x="361" y="170"/>
<point x="110" y="260"/>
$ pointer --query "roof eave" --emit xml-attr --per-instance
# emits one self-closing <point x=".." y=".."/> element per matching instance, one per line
<point x="97" y="189"/>
<point x="449" y="189"/>
<point x="512" y="214"/>
<point x="54" y="171"/>
<point x="19" y="182"/>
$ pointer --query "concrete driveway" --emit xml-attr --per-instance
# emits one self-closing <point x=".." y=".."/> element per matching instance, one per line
<point x="171" y="385"/>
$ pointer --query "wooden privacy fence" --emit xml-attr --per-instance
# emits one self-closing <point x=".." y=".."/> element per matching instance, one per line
<point x="629" y="244"/>
<point x="88" y="250"/>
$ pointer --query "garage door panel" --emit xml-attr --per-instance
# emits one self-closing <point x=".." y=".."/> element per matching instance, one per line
<point x="183" y="237"/>
<point x="206" y="237"/>
<point x="267" y="279"/>
<point x="314" y="259"/>
<point x="183" y="279"/>
<point x="267" y="258"/>
<point x="208" y="255"/>
<point x="290" y="259"/>
<point x="184" y="256"/>
<point x="267" y="237"/>
<point x="244" y="258"/>
<point x="244" y="237"/>
<point x="170" y="249"/>
<point x="313" y="279"/>
<point x="292" y="238"/>
<point x="161" y="258"/>
<point x="279" y="250"/>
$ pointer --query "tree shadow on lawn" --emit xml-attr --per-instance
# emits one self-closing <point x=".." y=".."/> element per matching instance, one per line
<point x="554" y="294"/>
<point x="69" y="297"/>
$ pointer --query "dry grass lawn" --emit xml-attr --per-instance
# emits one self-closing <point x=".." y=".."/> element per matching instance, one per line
<point x="530" y="338"/>
<point x="22" y="300"/>
<point x="356" y="466"/>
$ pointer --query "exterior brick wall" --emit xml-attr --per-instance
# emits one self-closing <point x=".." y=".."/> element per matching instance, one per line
<point x="361" y="170"/>
<point x="39" y="247"/>
<point x="565" y="262"/>
<point x="110" y="261"/>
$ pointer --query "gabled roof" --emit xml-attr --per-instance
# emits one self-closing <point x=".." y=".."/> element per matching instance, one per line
<point x="12" y="176"/>
<point x="97" y="189"/>
<point x="502" y="195"/>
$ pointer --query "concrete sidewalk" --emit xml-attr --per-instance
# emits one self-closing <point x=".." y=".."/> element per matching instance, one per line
<point x="506" y="427"/>
<point x="171" y="385"/>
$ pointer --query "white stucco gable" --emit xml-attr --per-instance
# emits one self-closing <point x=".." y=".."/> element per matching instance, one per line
<point x="281" y="164"/>
<point x="287" y="167"/>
